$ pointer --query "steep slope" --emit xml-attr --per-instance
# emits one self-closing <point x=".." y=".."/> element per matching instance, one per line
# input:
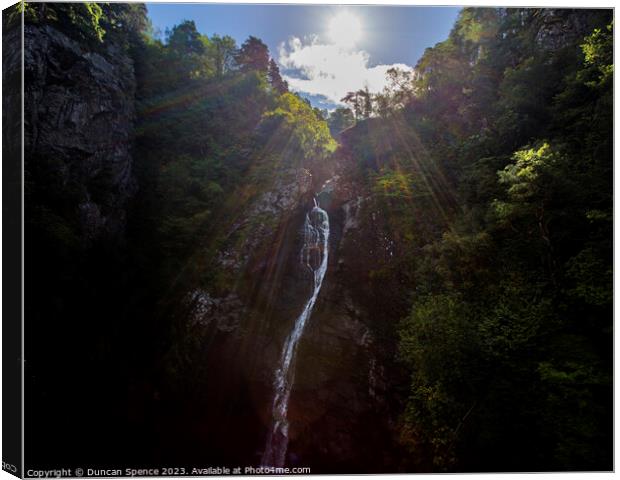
<point x="341" y="417"/>
<point x="78" y="128"/>
<point x="79" y="124"/>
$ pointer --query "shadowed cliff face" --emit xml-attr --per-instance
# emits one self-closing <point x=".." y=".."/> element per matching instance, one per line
<point x="79" y="120"/>
<point x="344" y="406"/>
<point x="339" y="418"/>
<point x="79" y="116"/>
<point x="221" y="369"/>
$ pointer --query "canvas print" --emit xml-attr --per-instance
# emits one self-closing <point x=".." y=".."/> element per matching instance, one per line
<point x="307" y="239"/>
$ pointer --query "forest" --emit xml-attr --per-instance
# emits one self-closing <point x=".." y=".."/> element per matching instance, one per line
<point x="479" y="260"/>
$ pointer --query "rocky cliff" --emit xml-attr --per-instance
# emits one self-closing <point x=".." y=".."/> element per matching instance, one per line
<point x="78" y="126"/>
<point x="79" y="116"/>
<point x="339" y="417"/>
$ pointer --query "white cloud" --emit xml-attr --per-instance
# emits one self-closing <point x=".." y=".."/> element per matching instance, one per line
<point x="330" y="70"/>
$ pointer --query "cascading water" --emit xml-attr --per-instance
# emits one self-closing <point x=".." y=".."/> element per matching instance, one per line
<point x="314" y="254"/>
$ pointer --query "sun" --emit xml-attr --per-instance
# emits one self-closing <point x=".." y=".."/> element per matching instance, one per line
<point x="345" y="29"/>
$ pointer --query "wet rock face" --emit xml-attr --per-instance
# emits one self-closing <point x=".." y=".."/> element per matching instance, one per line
<point x="262" y="220"/>
<point x="234" y="334"/>
<point x="259" y="248"/>
<point x="340" y="421"/>
<point x="227" y="311"/>
<point x="79" y="116"/>
<point x="339" y="418"/>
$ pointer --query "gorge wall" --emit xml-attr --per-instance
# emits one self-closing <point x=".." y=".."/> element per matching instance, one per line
<point x="339" y="414"/>
<point x="80" y="114"/>
<point x="79" y="119"/>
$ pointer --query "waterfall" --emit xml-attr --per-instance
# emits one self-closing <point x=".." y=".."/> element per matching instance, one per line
<point x="314" y="254"/>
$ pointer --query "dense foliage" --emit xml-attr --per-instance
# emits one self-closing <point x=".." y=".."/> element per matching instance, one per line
<point x="496" y="180"/>
<point x="214" y="120"/>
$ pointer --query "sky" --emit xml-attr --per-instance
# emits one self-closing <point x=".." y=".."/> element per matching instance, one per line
<point x="323" y="51"/>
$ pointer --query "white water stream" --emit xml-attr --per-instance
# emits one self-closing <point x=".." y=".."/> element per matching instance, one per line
<point x="314" y="255"/>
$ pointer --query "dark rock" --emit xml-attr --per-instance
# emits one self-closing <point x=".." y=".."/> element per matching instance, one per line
<point x="559" y="28"/>
<point x="79" y="117"/>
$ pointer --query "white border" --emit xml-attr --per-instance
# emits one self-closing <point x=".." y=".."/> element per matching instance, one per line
<point x="509" y="3"/>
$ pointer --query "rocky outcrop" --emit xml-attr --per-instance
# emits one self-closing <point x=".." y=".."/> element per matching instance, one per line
<point x="560" y="27"/>
<point x="249" y="250"/>
<point x="262" y="217"/>
<point x="79" y="116"/>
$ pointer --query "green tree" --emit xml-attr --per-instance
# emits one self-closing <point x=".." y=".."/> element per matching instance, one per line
<point x="223" y="51"/>
<point x="275" y="78"/>
<point x="188" y="51"/>
<point x="293" y="126"/>
<point x="340" y="119"/>
<point x="253" y="56"/>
